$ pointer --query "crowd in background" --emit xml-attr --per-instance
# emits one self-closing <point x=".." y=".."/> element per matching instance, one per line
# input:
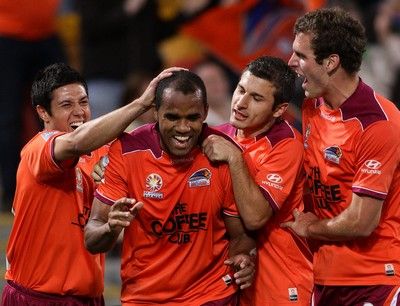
<point x="120" y="45"/>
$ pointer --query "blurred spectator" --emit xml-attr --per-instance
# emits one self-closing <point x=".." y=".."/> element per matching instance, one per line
<point x="237" y="32"/>
<point x="382" y="59"/>
<point x="136" y="84"/>
<point x="118" y="37"/>
<point x="28" y="42"/>
<point x="219" y="91"/>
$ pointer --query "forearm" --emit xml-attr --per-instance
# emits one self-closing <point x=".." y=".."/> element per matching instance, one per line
<point x="242" y="244"/>
<point x="339" y="228"/>
<point x="99" y="237"/>
<point x="253" y="207"/>
<point x="104" y="129"/>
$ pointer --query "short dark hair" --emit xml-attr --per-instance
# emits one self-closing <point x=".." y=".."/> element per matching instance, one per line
<point x="334" y="31"/>
<point x="184" y="81"/>
<point x="276" y="71"/>
<point x="50" y="78"/>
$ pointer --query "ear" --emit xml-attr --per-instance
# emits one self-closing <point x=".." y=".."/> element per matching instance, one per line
<point x="42" y="113"/>
<point x="206" y="111"/>
<point x="280" y="109"/>
<point x="332" y="63"/>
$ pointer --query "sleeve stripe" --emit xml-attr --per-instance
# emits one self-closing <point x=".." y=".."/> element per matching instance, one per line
<point x="368" y="192"/>
<point x="103" y="198"/>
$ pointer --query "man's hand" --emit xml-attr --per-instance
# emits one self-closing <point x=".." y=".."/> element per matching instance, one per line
<point x="301" y="222"/>
<point x="122" y="212"/>
<point x="244" y="269"/>
<point x="218" y="148"/>
<point x="148" y="96"/>
<point x="98" y="170"/>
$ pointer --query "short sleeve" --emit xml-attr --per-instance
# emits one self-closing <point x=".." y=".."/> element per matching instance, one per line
<point x="278" y="171"/>
<point x="41" y="160"/>
<point x="377" y="157"/>
<point x="114" y="185"/>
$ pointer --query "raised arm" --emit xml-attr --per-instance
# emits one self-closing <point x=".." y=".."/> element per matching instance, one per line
<point x="97" y="132"/>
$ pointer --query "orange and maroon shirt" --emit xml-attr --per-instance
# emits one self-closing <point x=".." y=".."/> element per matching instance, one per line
<point x="46" y="250"/>
<point x="355" y="149"/>
<point x="174" y="251"/>
<point x="275" y="161"/>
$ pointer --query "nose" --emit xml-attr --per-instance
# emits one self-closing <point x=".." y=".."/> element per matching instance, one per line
<point x="242" y="101"/>
<point x="293" y="61"/>
<point x="183" y="126"/>
<point x="79" y="110"/>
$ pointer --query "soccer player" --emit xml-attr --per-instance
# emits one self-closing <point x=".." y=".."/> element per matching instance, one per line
<point x="352" y="154"/>
<point x="47" y="263"/>
<point x="268" y="180"/>
<point x="183" y="240"/>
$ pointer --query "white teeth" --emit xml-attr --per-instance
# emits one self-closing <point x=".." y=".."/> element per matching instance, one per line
<point x="182" y="138"/>
<point x="75" y="124"/>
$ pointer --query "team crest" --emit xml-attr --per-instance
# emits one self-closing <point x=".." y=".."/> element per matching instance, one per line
<point x="200" y="178"/>
<point x="153" y="185"/>
<point x="333" y="154"/>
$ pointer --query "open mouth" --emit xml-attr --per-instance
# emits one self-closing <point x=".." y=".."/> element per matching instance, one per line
<point x="181" y="142"/>
<point x="74" y="125"/>
<point x="301" y="80"/>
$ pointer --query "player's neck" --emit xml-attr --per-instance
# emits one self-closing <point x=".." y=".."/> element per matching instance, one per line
<point x="341" y="88"/>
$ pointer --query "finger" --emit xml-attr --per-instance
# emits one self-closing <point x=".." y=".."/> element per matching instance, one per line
<point x="135" y="209"/>
<point x="114" y="223"/>
<point x="296" y="213"/>
<point x="245" y="285"/>
<point x="123" y="204"/>
<point x="206" y="142"/>
<point x="245" y="263"/>
<point x="248" y="278"/>
<point x="96" y="177"/>
<point x="228" y="261"/>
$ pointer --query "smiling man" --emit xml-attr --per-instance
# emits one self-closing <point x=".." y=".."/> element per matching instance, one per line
<point x="186" y="245"/>
<point x="47" y="263"/>
<point x="352" y="157"/>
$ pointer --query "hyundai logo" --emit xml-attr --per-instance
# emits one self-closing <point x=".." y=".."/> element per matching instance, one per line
<point x="372" y="164"/>
<point x="274" y="178"/>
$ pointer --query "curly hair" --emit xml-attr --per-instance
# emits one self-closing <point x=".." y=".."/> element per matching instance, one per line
<point x="334" y="31"/>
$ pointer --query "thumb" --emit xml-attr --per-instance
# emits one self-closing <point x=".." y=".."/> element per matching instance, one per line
<point x="296" y="213"/>
<point x="228" y="261"/>
<point x="287" y="224"/>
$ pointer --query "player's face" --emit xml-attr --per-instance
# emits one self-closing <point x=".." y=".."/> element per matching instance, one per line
<point x="252" y="110"/>
<point x="180" y="119"/>
<point x="303" y="62"/>
<point x="69" y="108"/>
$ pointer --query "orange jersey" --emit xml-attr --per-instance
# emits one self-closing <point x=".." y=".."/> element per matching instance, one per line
<point x="46" y="251"/>
<point x="174" y="251"/>
<point x="28" y="19"/>
<point x="355" y="149"/>
<point x="275" y="161"/>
